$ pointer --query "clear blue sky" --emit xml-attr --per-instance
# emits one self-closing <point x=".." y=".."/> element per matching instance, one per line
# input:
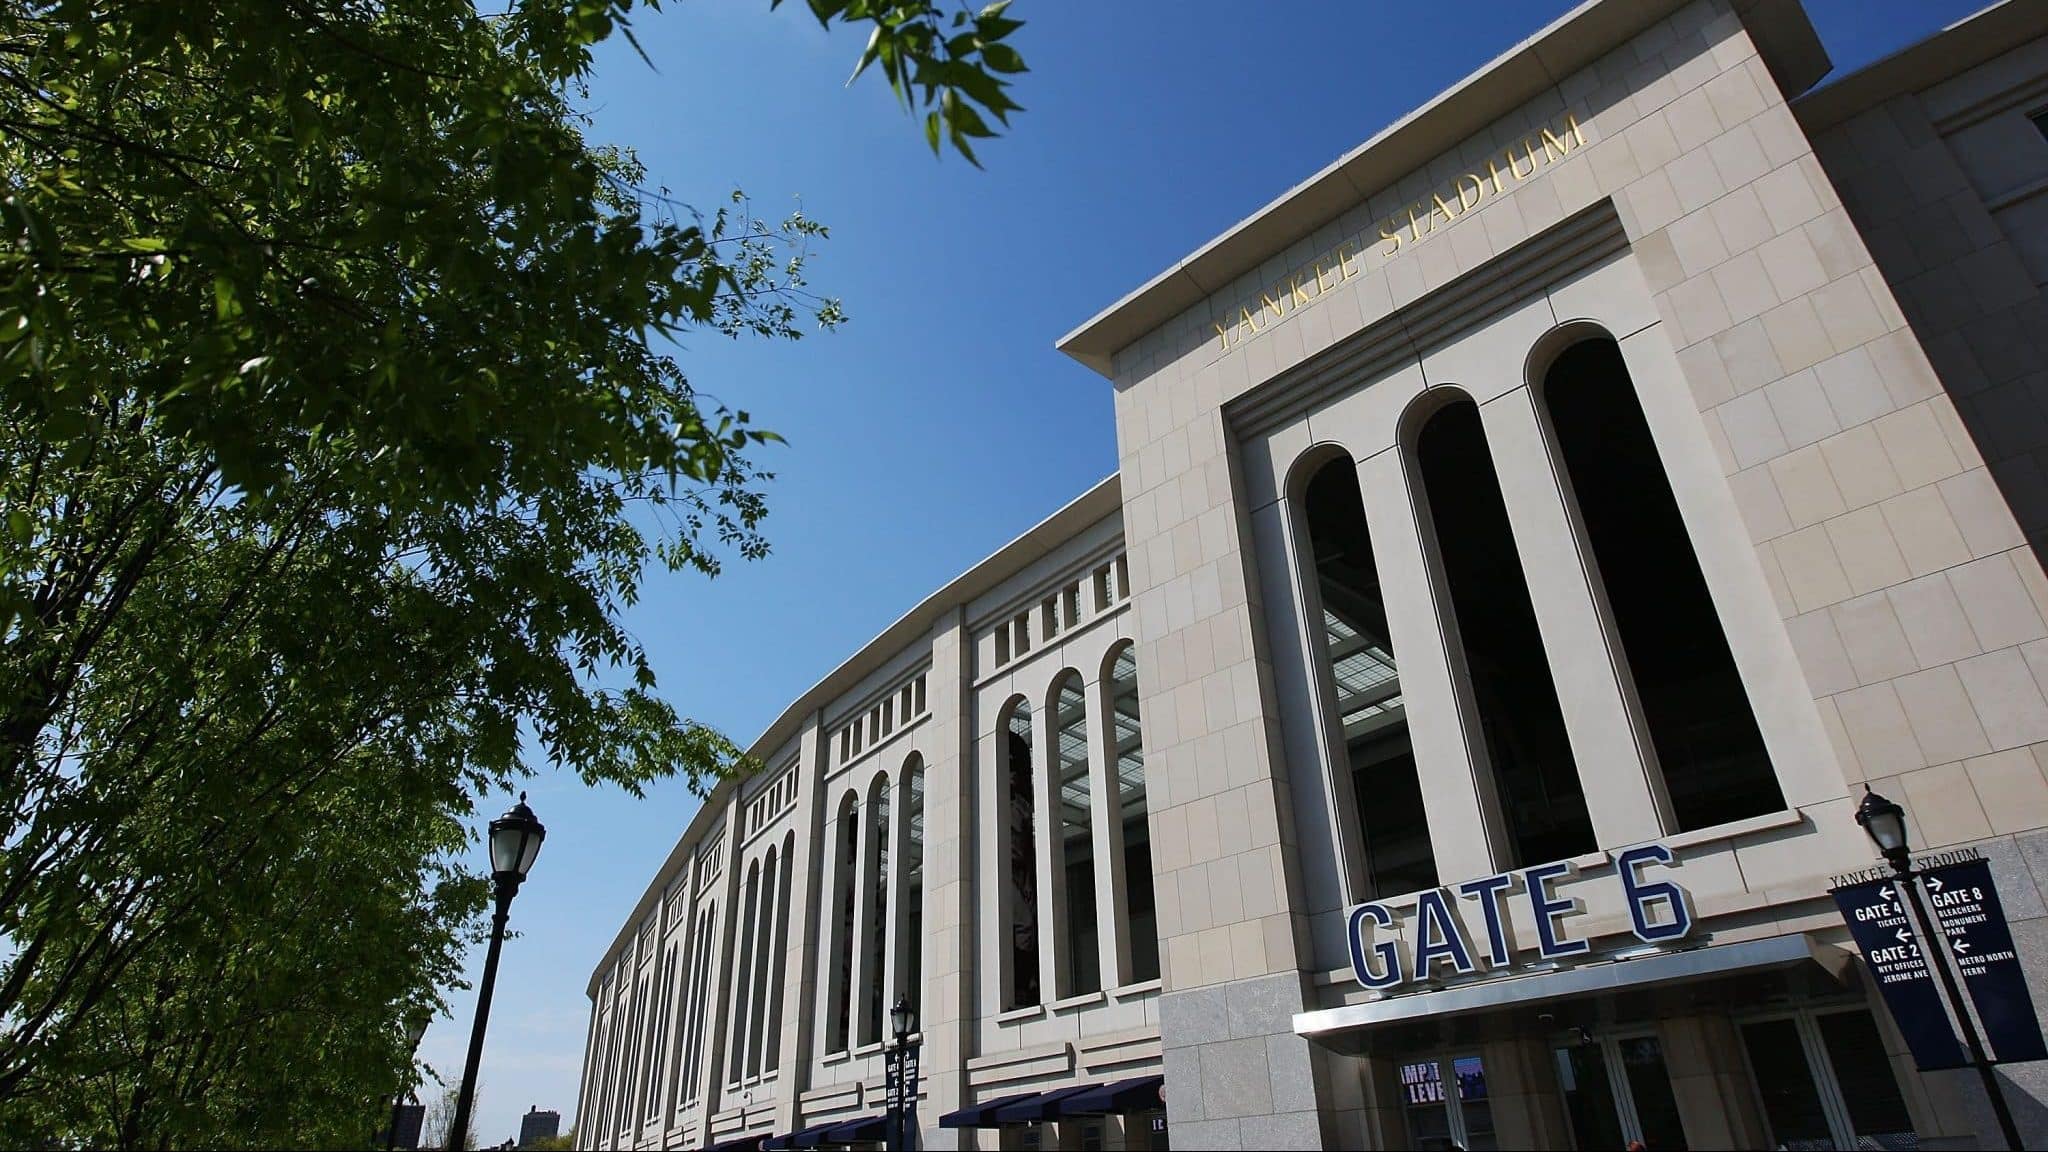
<point x="939" y="422"/>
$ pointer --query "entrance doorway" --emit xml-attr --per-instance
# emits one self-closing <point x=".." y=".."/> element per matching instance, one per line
<point x="1446" y="1103"/>
<point x="1616" y="1090"/>
<point x="1823" y="1080"/>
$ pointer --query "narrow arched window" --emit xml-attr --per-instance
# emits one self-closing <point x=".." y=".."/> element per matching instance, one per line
<point x="1076" y="837"/>
<point x="1507" y="673"/>
<point x="765" y="962"/>
<point x="743" y="976"/>
<point x="1363" y="689"/>
<point x="840" y="1002"/>
<point x="1021" y="842"/>
<point x="1128" y="747"/>
<point x="1705" y="734"/>
<point x="876" y="935"/>
<point x="779" y="971"/>
<point x="911" y="965"/>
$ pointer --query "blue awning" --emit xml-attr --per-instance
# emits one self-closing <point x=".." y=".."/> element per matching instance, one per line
<point x="861" y="1131"/>
<point x="1137" y="1094"/>
<point x="1039" y="1107"/>
<point x="981" y="1115"/>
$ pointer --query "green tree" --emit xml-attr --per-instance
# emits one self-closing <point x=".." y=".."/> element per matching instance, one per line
<point x="338" y="423"/>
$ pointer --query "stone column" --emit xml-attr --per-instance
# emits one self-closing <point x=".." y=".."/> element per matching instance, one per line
<point x="1521" y="1083"/>
<point x="1048" y="826"/>
<point x="1457" y="784"/>
<point x="1112" y="900"/>
<point x="800" y="962"/>
<point x="947" y="1008"/>
<point x="1709" y="1081"/>
<point x="1625" y="794"/>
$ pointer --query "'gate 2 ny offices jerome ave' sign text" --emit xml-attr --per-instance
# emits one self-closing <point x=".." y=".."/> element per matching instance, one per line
<point x="1444" y="206"/>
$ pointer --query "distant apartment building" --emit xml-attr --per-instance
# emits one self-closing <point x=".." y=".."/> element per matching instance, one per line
<point x="538" y="1125"/>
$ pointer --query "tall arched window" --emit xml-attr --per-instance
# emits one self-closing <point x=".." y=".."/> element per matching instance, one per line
<point x="911" y="966"/>
<point x="1712" y="754"/>
<point x="841" y="1004"/>
<point x="699" y="1002"/>
<point x="765" y="961"/>
<point x="1076" y="837"/>
<point x="1364" y="684"/>
<point x="1020" y="839"/>
<point x="743" y="977"/>
<point x="1506" y="671"/>
<point x="779" y="971"/>
<point x="876" y="935"/>
<point x="1140" y="907"/>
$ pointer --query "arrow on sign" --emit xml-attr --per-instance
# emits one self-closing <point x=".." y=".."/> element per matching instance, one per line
<point x="1903" y="936"/>
<point x="1934" y="883"/>
<point x="1885" y="892"/>
<point x="1960" y="945"/>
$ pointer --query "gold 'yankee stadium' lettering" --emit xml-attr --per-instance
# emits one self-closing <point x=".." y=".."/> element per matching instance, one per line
<point x="1444" y="205"/>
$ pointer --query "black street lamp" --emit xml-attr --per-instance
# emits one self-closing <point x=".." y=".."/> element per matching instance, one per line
<point x="901" y="1075"/>
<point x="415" y="1031"/>
<point x="1886" y="824"/>
<point x="514" y="841"/>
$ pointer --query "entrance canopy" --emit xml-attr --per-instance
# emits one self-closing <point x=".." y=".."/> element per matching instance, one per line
<point x="1136" y="1094"/>
<point x="1346" y="1028"/>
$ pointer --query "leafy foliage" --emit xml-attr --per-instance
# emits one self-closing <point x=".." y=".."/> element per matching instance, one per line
<point x="337" y="427"/>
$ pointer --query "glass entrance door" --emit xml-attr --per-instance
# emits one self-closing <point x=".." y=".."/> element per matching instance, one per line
<point x="1446" y="1104"/>
<point x="1616" y="1090"/>
<point x="1824" y="1081"/>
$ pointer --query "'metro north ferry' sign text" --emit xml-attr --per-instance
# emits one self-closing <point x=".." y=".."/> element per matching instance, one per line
<point x="1445" y="205"/>
<point x="1660" y="910"/>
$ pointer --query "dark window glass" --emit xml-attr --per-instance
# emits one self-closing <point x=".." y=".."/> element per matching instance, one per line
<point x="1649" y="1088"/>
<point x="1512" y="692"/>
<point x="1713" y="758"/>
<point x="1864" y="1073"/>
<point x="1130" y="782"/>
<point x="1588" y="1097"/>
<point x="1791" y="1102"/>
<point x="1374" y="723"/>
<point x="913" y="946"/>
<point x="1023" y="862"/>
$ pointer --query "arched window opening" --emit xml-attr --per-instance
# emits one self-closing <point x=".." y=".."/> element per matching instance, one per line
<point x="1715" y="766"/>
<point x="1022" y="897"/>
<point x="1141" y="909"/>
<point x="842" y="927"/>
<point x="876" y="937"/>
<point x="1372" y="718"/>
<point x="693" y="1068"/>
<point x="765" y="962"/>
<point x="779" y="970"/>
<point x="1521" y="724"/>
<point x="1077" y="839"/>
<point x="743" y="977"/>
<point x="912" y="964"/>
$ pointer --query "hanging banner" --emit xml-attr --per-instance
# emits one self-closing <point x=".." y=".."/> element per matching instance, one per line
<point x="1877" y="919"/>
<point x="1965" y="901"/>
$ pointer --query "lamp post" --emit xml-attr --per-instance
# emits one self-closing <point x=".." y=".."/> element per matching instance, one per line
<point x="514" y="842"/>
<point x="1885" y="822"/>
<point x="902" y="1090"/>
<point x="415" y="1031"/>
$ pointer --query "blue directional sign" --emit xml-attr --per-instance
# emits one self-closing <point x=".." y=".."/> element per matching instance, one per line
<point x="1965" y="901"/>
<point x="1877" y="918"/>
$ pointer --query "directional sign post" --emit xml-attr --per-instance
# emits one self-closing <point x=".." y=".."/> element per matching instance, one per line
<point x="1966" y="903"/>
<point x="1899" y="954"/>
